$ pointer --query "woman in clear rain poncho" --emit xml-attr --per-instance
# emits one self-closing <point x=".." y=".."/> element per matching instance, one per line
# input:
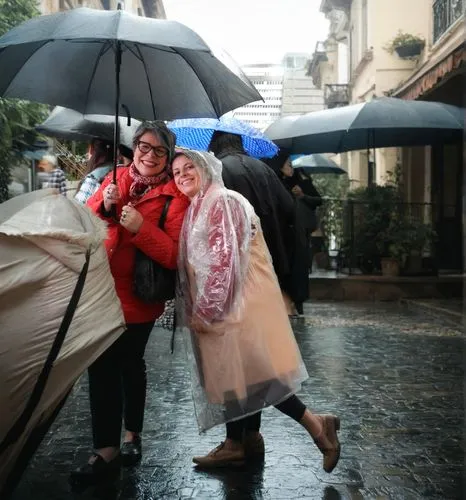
<point x="242" y="350"/>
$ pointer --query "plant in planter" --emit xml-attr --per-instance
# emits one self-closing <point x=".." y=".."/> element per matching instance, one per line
<point x="403" y="241"/>
<point x="406" y="45"/>
<point x="370" y="212"/>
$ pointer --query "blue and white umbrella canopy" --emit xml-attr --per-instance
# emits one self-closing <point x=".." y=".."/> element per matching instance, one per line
<point x="196" y="133"/>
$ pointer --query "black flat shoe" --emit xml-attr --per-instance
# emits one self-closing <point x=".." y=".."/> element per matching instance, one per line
<point x="131" y="452"/>
<point x="99" y="470"/>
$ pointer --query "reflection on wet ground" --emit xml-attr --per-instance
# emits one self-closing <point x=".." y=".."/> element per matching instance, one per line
<point x="394" y="377"/>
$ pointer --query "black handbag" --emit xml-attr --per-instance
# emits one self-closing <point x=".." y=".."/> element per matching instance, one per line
<point x="151" y="281"/>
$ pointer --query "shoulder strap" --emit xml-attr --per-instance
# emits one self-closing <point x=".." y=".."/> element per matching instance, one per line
<point x="163" y="216"/>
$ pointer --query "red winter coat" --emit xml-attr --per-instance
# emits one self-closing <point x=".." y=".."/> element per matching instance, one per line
<point x="161" y="246"/>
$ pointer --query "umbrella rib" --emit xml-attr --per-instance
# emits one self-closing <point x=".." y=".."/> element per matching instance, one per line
<point x="28" y="58"/>
<point x="198" y="78"/>
<point x="148" y="80"/>
<point x="105" y="47"/>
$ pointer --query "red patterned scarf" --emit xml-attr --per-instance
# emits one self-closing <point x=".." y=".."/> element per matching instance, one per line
<point x="141" y="183"/>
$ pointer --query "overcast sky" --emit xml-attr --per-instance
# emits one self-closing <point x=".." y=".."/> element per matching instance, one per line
<point x="253" y="31"/>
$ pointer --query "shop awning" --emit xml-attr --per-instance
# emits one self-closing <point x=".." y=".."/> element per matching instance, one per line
<point x="428" y="77"/>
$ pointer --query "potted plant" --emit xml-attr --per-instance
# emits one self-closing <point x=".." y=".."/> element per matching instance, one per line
<point x="403" y="243"/>
<point x="406" y="45"/>
<point x="370" y="212"/>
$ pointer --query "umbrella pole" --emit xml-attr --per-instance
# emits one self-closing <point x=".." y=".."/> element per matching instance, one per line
<point x="116" y="130"/>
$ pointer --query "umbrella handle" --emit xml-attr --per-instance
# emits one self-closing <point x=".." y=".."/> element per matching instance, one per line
<point x="128" y="114"/>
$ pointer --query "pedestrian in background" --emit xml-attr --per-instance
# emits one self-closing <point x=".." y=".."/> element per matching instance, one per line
<point x="53" y="175"/>
<point x="132" y="209"/>
<point x="245" y="354"/>
<point x="307" y="199"/>
<point x="271" y="202"/>
<point x="99" y="164"/>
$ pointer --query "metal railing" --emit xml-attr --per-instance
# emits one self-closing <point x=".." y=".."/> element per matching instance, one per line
<point x="359" y="234"/>
<point x="445" y="13"/>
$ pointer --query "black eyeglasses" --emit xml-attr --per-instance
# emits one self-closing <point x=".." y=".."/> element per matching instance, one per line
<point x="145" y="148"/>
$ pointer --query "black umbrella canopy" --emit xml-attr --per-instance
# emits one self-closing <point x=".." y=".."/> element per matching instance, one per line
<point x="317" y="164"/>
<point x="69" y="124"/>
<point x="167" y="70"/>
<point x="382" y="122"/>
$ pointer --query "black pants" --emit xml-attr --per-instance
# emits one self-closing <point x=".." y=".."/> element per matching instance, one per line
<point x="292" y="406"/>
<point x="117" y="386"/>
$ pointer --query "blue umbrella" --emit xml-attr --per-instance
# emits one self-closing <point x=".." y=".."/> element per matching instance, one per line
<point x="317" y="164"/>
<point x="196" y="133"/>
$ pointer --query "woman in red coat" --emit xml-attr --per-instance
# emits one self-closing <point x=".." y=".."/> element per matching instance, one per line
<point x="117" y="380"/>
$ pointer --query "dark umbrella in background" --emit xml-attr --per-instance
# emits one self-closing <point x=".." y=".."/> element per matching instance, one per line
<point x="196" y="133"/>
<point x="380" y="123"/>
<point x="68" y="124"/>
<point x="94" y="61"/>
<point x="317" y="164"/>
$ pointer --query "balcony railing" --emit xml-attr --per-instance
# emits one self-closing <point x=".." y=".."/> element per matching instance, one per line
<point x="445" y="13"/>
<point x="336" y="94"/>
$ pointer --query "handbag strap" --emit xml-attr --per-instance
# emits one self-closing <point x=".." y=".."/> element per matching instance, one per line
<point x="163" y="216"/>
<point x="162" y="219"/>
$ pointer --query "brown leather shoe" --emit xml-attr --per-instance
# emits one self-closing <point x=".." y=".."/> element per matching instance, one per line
<point x="254" y="447"/>
<point x="328" y="442"/>
<point x="221" y="457"/>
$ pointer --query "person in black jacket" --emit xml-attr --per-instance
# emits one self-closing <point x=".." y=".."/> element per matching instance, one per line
<point x="307" y="199"/>
<point x="260" y="186"/>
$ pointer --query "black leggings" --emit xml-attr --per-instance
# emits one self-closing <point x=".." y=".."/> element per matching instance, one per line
<point x="117" y="386"/>
<point x="292" y="406"/>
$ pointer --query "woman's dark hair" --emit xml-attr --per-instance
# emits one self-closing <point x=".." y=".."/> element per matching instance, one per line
<point x="160" y="130"/>
<point x="125" y="151"/>
<point x="276" y="163"/>
<point x="102" y="152"/>
<point x="224" y="142"/>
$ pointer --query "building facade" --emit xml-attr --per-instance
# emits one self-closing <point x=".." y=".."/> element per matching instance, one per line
<point x="300" y="95"/>
<point x="431" y="175"/>
<point x="268" y="80"/>
<point x="146" y="8"/>
<point x="437" y="175"/>
<point x="286" y="89"/>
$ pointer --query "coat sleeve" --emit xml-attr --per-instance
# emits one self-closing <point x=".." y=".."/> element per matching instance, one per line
<point x="223" y="267"/>
<point x="88" y="187"/>
<point x="96" y="201"/>
<point x="162" y="245"/>
<point x="284" y="199"/>
<point x="311" y="196"/>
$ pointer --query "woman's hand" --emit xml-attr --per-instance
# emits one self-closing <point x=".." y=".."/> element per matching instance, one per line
<point x="297" y="191"/>
<point x="111" y="196"/>
<point x="131" y="219"/>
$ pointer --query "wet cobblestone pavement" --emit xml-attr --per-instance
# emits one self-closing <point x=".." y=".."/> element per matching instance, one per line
<point x="395" y="377"/>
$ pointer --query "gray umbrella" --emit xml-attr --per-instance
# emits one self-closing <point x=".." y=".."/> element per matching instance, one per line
<point x="317" y="164"/>
<point x="382" y="122"/>
<point x="93" y="60"/>
<point x="69" y="124"/>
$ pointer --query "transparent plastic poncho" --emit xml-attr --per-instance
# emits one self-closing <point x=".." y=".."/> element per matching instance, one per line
<point x="242" y="351"/>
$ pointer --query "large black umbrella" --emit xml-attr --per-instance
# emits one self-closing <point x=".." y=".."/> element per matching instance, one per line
<point x="382" y="122"/>
<point x="93" y="60"/>
<point x="68" y="124"/>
